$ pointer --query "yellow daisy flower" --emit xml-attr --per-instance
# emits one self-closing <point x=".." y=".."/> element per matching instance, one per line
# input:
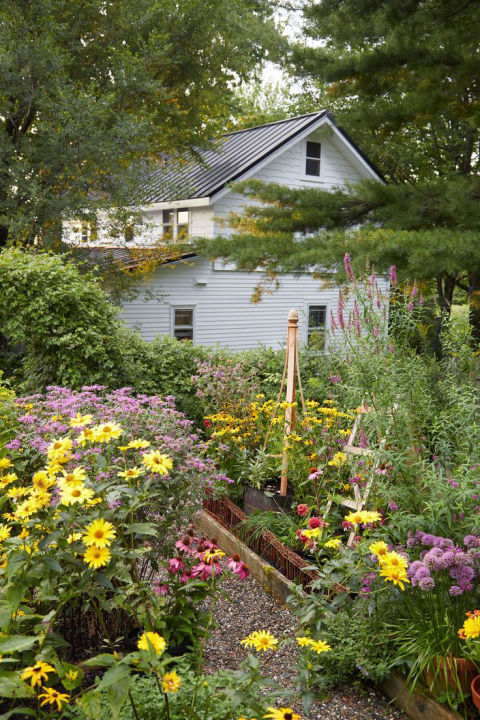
<point x="157" y="463"/>
<point x="5" y="532"/>
<point x="106" y="432"/>
<point x="152" y="641"/>
<point x="74" y="537"/>
<point x="171" y="682"/>
<point x="80" y="420"/>
<point x="378" y="548"/>
<point x="74" y="477"/>
<point x="7" y="479"/>
<point x="133" y="473"/>
<point x="100" y="533"/>
<point x="87" y="435"/>
<point x="59" y="448"/>
<point x="5" y="463"/>
<point x="393" y="559"/>
<point x="471" y="627"/>
<point x="76" y="495"/>
<point x="333" y="543"/>
<point x="260" y="640"/>
<point x="138" y="444"/>
<point x="96" y="557"/>
<point x="282" y="713"/>
<point x="396" y="575"/>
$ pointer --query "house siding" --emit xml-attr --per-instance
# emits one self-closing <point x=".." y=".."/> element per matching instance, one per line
<point x="223" y="310"/>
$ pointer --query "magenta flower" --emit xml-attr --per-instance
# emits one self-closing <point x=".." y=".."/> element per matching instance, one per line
<point x="302" y="510"/>
<point x="348" y="268"/>
<point x="393" y="275"/>
<point x="175" y="565"/>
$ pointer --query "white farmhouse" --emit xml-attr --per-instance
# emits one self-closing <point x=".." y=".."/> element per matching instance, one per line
<point x="209" y="302"/>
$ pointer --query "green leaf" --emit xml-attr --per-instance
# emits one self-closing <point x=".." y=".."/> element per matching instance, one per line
<point x="142" y="529"/>
<point x="17" y="643"/>
<point x="116" y="674"/>
<point x="102" y="660"/>
<point x="12" y="686"/>
<point x="23" y="711"/>
<point x="52" y="564"/>
<point x="16" y="561"/>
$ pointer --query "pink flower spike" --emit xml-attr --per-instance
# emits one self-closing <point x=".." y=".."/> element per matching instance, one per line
<point x="393" y="275"/>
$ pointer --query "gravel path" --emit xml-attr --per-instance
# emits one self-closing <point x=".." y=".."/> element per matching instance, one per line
<point x="251" y="608"/>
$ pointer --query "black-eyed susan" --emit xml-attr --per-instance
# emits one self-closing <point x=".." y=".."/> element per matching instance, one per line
<point x="97" y="557"/>
<point x="157" y="463"/>
<point x="210" y="556"/>
<point x="171" y="682"/>
<point x="260" y="640"/>
<point x="282" y="713"/>
<point x="37" y="673"/>
<point x="152" y="641"/>
<point x="53" y="697"/>
<point x="100" y="533"/>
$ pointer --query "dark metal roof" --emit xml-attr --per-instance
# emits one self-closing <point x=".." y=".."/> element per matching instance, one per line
<point x="233" y="155"/>
<point x="126" y="258"/>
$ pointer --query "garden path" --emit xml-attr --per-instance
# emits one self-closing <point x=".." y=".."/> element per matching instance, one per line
<point x="251" y="608"/>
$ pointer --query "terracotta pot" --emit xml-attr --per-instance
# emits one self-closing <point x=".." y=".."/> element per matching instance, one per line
<point x="254" y="499"/>
<point x="451" y="672"/>
<point x="475" y="689"/>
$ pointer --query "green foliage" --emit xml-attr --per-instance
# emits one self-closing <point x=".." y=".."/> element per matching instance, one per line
<point x="400" y="76"/>
<point x="85" y="95"/>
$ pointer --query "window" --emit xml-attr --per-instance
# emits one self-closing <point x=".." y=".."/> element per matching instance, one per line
<point x="317" y="325"/>
<point x="183" y="323"/>
<point x="312" y="163"/>
<point x="168" y="217"/>
<point x="175" y="224"/>
<point x="89" y="229"/>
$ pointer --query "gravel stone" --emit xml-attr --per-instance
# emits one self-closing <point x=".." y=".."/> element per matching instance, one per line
<point x="251" y="608"/>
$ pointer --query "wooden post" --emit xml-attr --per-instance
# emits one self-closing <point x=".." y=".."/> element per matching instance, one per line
<point x="292" y="343"/>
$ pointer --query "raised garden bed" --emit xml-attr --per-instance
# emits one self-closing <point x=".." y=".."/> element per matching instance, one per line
<point x="268" y="546"/>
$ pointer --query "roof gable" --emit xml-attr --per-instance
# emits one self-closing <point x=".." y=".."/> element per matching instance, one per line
<point x="234" y="157"/>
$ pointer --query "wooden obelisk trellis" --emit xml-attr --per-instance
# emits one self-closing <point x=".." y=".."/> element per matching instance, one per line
<point x="291" y="372"/>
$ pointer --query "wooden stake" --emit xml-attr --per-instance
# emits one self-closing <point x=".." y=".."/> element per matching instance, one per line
<point x="290" y="415"/>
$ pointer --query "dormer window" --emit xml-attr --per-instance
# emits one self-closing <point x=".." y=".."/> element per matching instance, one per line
<point x="312" y="161"/>
<point x="175" y="225"/>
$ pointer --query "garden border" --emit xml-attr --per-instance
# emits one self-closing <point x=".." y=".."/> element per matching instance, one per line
<point x="417" y="705"/>
<point x="289" y="565"/>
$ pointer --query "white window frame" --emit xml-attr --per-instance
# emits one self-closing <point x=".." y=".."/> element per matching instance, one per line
<point x="305" y="157"/>
<point x="315" y="303"/>
<point x="174" y="225"/>
<point x="173" y="326"/>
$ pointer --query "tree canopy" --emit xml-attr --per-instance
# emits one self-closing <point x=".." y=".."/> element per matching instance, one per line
<point x="87" y="91"/>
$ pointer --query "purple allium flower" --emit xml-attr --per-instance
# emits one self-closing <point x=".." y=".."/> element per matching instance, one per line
<point x="426" y="583"/>
<point x="455" y="591"/>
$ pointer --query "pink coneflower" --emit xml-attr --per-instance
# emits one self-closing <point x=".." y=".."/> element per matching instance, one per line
<point x="314" y="474"/>
<point x="243" y="572"/>
<point x="160" y="590"/>
<point x="175" y="565"/>
<point x="302" y="510"/>
<point x="185" y="544"/>
<point x="234" y="562"/>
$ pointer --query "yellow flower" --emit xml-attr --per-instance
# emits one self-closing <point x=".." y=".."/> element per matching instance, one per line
<point x="471" y="627"/>
<point x="16" y="492"/>
<point x="96" y="557"/>
<point x="134" y="472"/>
<point x="138" y="444"/>
<point x="171" y="682"/>
<point x="74" y="477"/>
<point x="393" y="559"/>
<point x="85" y="436"/>
<point x="74" y="537"/>
<point x="362" y="516"/>
<point x="318" y="646"/>
<point x="396" y="575"/>
<point x="378" y="548"/>
<point x="210" y="555"/>
<point x="339" y="459"/>
<point x="106" y="432"/>
<point x="76" y="495"/>
<point x="282" y="713"/>
<point x="152" y="641"/>
<point x="260" y="640"/>
<point x="157" y="463"/>
<point x="7" y="479"/>
<point x="100" y="533"/>
<point x="5" y="532"/>
<point x="42" y="480"/>
<point x="35" y="673"/>
<point x="5" y="463"/>
<point x="59" y="448"/>
<point x="334" y="543"/>
<point x="80" y="420"/>
<point x="52" y="697"/>
<point x="71" y="675"/>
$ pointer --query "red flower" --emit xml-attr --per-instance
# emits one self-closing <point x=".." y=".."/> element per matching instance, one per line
<point x="302" y="510"/>
<point x="207" y="423"/>
<point x="316" y="522"/>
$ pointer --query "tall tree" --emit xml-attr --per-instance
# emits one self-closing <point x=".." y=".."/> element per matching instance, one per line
<point x="88" y="89"/>
<point x="401" y="76"/>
